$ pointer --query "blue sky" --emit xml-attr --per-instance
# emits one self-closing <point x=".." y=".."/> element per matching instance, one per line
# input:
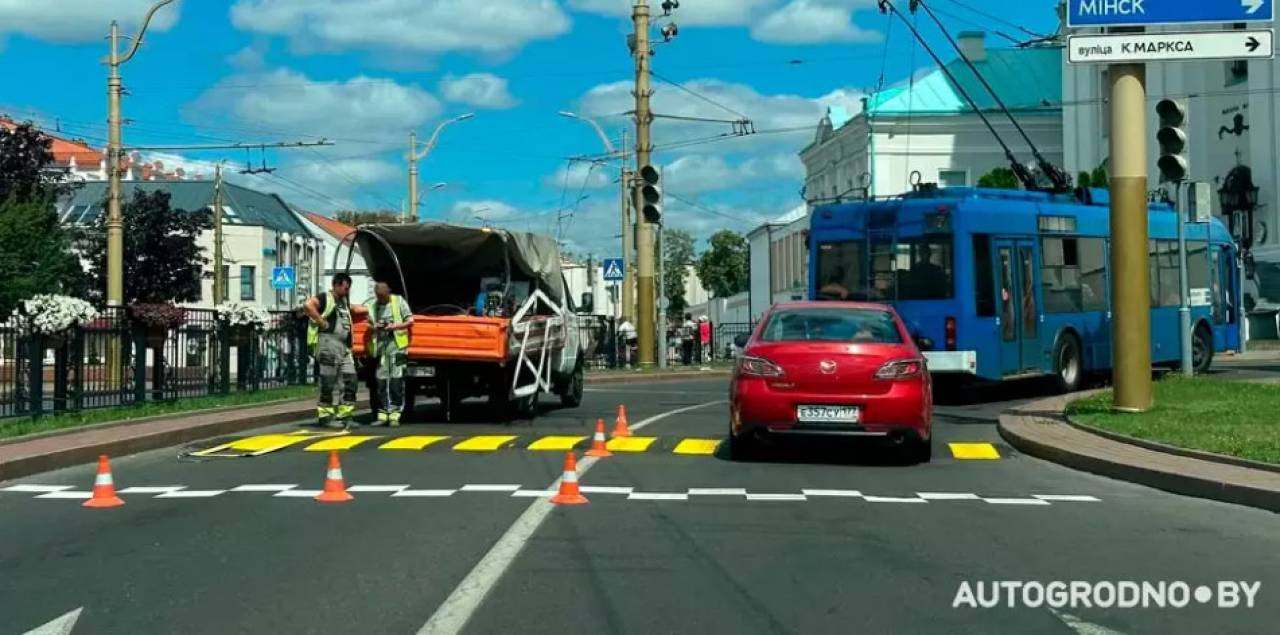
<point x="365" y="72"/>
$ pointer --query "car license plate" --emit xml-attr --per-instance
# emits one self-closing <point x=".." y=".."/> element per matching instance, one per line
<point x="827" y="414"/>
<point x="422" y="371"/>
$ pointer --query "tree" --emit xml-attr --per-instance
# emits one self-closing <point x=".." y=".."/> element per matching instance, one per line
<point x="355" y="218"/>
<point x="999" y="178"/>
<point x="677" y="250"/>
<point x="723" y="266"/>
<point x="1097" y="178"/>
<point x="35" y="251"/>
<point x="162" y="262"/>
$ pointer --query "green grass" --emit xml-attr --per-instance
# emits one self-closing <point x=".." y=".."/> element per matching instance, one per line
<point x="10" y="428"/>
<point x="1234" y="418"/>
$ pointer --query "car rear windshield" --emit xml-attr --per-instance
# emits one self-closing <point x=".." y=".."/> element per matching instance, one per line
<point x="869" y="326"/>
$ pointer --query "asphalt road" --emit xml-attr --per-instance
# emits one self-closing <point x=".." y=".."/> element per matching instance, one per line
<point x="850" y="540"/>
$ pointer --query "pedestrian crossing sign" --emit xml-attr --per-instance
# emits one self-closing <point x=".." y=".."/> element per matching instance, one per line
<point x="613" y="270"/>
<point x="283" y="278"/>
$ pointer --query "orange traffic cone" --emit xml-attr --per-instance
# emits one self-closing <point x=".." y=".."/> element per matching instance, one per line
<point x="104" y="487"/>
<point x="620" y="428"/>
<point x="335" y="489"/>
<point x="569" y="493"/>
<point x="598" y="447"/>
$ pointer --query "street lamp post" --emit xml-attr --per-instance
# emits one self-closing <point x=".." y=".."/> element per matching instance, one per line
<point x="415" y="156"/>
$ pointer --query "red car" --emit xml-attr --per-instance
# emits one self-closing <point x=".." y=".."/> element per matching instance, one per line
<point x="831" y="368"/>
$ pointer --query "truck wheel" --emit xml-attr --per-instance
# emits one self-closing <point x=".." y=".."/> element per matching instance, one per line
<point x="572" y="395"/>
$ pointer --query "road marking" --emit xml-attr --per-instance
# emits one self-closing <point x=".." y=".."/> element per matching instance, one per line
<point x="193" y="493"/>
<point x="1067" y="498"/>
<point x="262" y="488"/>
<point x="61" y="625"/>
<point x="656" y="496"/>
<point x="68" y="495"/>
<point x="630" y="444"/>
<point x="490" y="488"/>
<point x="717" y="491"/>
<point x="847" y="493"/>
<point x="339" y="443"/>
<point x="377" y="488"/>
<point x="457" y="609"/>
<point x="534" y="493"/>
<point x="36" y="488"/>
<point x="1082" y="627"/>
<point x="892" y="499"/>
<point x="414" y="442"/>
<point x="424" y="493"/>
<point x="298" y="493"/>
<point x="256" y="445"/>
<point x="697" y="446"/>
<point x="151" y="490"/>
<point x="974" y="451"/>
<point x="947" y="496"/>
<point x="562" y="444"/>
<point x="776" y="497"/>
<point x="604" y="489"/>
<point x="1017" y="501"/>
<point x="487" y="443"/>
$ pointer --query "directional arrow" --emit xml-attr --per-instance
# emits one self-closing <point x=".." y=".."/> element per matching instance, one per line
<point x="59" y="626"/>
<point x="1252" y="44"/>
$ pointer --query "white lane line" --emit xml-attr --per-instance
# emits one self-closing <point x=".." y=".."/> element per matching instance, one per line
<point x="151" y="490"/>
<point x="1082" y="627"/>
<point x="58" y="626"/>
<point x="656" y="496"/>
<point x="892" y="499"/>
<point x="298" y="493"/>
<point x="36" y="488"/>
<point x="776" y="497"/>
<point x="605" y="489"/>
<point x="490" y="488"/>
<point x="264" y="487"/>
<point x="424" y="493"/>
<point x="68" y="495"/>
<point x="948" y="496"/>
<point x="1067" y="498"/>
<point x="462" y="603"/>
<point x="377" y="488"/>
<point x="193" y="493"/>
<point x="533" y="493"/>
<point x="845" y="493"/>
<point x="717" y="491"/>
<point x="1017" y="501"/>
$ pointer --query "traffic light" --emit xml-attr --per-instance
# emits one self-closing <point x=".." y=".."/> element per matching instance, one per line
<point x="650" y="195"/>
<point x="1172" y="138"/>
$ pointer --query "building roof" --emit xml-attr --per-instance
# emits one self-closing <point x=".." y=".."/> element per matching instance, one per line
<point x="1028" y="80"/>
<point x="337" y="229"/>
<point x="64" y="150"/>
<point x="241" y="205"/>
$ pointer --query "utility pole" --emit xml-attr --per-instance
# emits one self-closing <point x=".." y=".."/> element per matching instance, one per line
<point x="415" y="156"/>
<point x="219" y="279"/>
<point x="628" y="298"/>
<point x="1131" y="289"/>
<point x="645" y="290"/>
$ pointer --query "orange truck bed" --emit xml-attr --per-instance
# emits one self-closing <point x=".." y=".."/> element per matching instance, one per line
<point x="460" y="338"/>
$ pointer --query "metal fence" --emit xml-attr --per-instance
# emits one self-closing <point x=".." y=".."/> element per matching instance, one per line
<point x="114" y="361"/>
<point x="606" y="349"/>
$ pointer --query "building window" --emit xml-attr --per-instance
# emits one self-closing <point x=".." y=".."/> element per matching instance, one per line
<point x="247" y="282"/>
<point x="226" y="283"/>
<point x="953" y="178"/>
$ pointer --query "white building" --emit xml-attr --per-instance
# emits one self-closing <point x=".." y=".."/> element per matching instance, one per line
<point x="926" y="128"/>
<point x="778" y="259"/>
<point x="259" y="232"/>
<point x="330" y="234"/>
<point x="1232" y="127"/>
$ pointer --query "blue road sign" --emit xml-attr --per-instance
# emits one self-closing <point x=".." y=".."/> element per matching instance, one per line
<point x="283" y="278"/>
<point x="614" y="270"/>
<point x="1101" y="13"/>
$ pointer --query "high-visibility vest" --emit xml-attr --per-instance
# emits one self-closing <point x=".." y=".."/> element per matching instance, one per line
<point x="313" y="329"/>
<point x="402" y="336"/>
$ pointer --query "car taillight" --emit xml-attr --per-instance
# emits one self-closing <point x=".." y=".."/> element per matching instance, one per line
<point x="951" y="334"/>
<point x="901" y="369"/>
<point x="758" y="367"/>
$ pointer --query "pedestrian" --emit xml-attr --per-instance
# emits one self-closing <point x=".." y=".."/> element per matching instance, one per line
<point x="391" y="319"/>
<point x="627" y="337"/>
<point x="704" y="339"/>
<point x="329" y="338"/>
<point x="688" y="333"/>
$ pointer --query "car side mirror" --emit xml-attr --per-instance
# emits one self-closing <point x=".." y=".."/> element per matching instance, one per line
<point x="588" y="303"/>
<point x="924" y="343"/>
<point x="740" y="340"/>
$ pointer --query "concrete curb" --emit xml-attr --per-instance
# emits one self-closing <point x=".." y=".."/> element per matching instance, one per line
<point x="1099" y="454"/>
<point x="1173" y="449"/>
<point x="640" y="378"/>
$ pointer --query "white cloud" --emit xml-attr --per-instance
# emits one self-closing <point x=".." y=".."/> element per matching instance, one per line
<point x="813" y="22"/>
<point x="690" y="13"/>
<point x="581" y="175"/>
<point x="494" y="211"/>
<point x="249" y="59"/>
<point x="80" y="20"/>
<point x="433" y="26"/>
<point x="482" y="90"/>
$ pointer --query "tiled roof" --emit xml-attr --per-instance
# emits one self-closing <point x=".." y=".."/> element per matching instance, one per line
<point x="65" y="149"/>
<point x="334" y="228"/>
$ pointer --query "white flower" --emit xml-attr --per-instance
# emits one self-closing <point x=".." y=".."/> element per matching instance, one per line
<point x="237" y="314"/>
<point x="48" y="314"/>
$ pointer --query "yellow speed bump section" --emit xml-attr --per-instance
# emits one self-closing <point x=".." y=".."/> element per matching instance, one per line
<point x="697" y="446"/>
<point x="556" y="443"/>
<point x="338" y="443"/>
<point x="630" y="444"/>
<point x="256" y="445"/>
<point x="974" y="451"/>
<point x="415" y="442"/>
<point x="484" y="443"/>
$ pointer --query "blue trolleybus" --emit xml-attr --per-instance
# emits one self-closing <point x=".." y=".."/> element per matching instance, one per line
<point x="1007" y="283"/>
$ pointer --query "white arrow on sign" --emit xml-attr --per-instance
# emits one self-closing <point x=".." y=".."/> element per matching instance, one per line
<point x="59" y="626"/>
<point x="1252" y="5"/>
<point x="1119" y="48"/>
